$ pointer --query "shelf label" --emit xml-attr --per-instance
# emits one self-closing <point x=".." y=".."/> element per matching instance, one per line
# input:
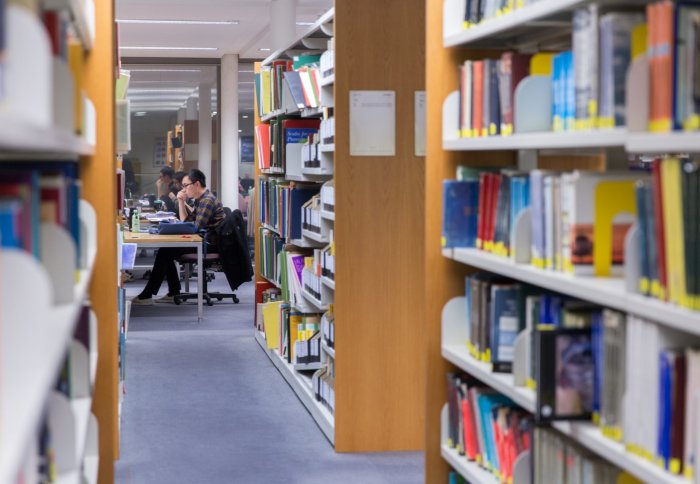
<point x="372" y="123"/>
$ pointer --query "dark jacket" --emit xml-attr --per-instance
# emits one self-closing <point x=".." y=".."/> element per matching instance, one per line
<point x="233" y="250"/>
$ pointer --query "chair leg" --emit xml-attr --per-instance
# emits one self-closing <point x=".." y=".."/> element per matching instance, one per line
<point x="188" y="266"/>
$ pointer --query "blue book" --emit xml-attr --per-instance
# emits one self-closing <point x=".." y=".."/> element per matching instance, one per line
<point x="487" y="403"/>
<point x="598" y="351"/>
<point x="505" y="325"/>
<point x="643" y="232"/>
<point x="10" y="234"/>
<point x="298" y="197"/>
<point x="468" y="297"/>
<point x="298" y="135"/>
<point x="536" y="199"/>
<point x="665" y="403"/>
<point x="460" y="213"/>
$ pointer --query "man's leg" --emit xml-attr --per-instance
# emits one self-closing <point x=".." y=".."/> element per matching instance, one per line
<point x="171" y="272"/>
<point x="165" y="261"/>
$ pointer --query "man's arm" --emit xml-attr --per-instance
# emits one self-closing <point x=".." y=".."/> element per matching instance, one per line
<point x="182" y="206"/>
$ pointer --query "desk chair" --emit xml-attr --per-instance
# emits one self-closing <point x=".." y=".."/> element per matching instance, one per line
<point x="188" y="260"/>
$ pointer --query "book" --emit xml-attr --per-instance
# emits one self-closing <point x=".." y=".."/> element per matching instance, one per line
<point x="460" y="213"/>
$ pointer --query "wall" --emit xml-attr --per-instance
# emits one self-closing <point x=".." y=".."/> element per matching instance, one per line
<point x="144" y="131"/>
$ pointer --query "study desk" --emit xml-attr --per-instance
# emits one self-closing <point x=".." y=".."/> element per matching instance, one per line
<point x="154" y="241"/>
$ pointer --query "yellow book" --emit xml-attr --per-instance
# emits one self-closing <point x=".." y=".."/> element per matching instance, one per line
<point x="294" y="320"/>
<point x="541" y="64"/>
<point x="639" y="40"/>
<point x="265" y="90"/>
<point x="75" y="63"/>
<point x="673" y="230"/>
<point x="271" y="323"/>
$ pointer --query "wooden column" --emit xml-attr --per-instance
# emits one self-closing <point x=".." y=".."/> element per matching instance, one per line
<point x="379" y="229"/>
<point x="99" y="188"/>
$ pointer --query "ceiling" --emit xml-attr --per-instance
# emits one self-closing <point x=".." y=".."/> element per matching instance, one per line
<point x="166" y="86"/>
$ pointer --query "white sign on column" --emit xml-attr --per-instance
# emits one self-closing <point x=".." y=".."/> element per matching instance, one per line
<point x="229" y="131"/>
<point x="205" y="136"/>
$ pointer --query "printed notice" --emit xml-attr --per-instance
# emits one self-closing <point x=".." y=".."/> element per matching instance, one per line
<point x="372" y="123"/>
<point x="419" y="123"/>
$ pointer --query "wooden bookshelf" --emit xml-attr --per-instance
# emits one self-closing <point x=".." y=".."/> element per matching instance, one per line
<point x="99" y="188"/>
<point x="445" y="269"/>
<point x="378" y="231"/>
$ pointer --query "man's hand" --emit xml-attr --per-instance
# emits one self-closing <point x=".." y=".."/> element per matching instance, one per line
<point x="181" y="195"/>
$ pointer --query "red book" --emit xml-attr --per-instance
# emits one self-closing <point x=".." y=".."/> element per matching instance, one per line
<point x="494" y="206"/>
<point x="471" y="447"/>
<point x="262" y="133"/>
<point x="478" y="97"/>
<point x="481" y="224"/>
<point x="659" y="220"/>
<point x="260" y="288"/>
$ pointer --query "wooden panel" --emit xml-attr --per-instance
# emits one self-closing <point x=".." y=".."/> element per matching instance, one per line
<point x="99" y="188"/>
<point x="444" y="278"/>
<point x="380" y="378"/>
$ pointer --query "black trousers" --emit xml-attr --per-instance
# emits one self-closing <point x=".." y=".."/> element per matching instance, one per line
<point x="164" y="268"/>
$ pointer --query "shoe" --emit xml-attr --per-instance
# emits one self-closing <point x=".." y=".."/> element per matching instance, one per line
<point x="137" y="301"/>
<point x="168" y="298"/>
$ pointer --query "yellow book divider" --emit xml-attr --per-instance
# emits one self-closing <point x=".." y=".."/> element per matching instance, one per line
<point x="75" y="63"/>
<point x="639" y="40"/>
<point x="611" y="198"/>
<point x="541" y="64"/>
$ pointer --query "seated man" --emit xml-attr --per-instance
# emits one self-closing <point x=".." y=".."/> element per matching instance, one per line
<point x="207" y="214"/>
<point x="167" y="189"/>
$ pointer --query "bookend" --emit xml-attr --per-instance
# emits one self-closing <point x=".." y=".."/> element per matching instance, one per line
<point x="450" y="117"/>
<point x="532" y="105"/>
<point x="79" y="370"/>
<point x="521" y="237"/>
<point x="453" y="17"/>
<point x="521" y="357"/>
<point x="58" y="256"/>
<point x="637" y="88"/>
<point x="632" y="260"/>
<point x="611" y="198"/>
<point x="63" y="425"/>
<point x="88" y="234"/>
<point x="28" y="68"/>
<point x="63" y="96"/>
<point x="454" y="322"/>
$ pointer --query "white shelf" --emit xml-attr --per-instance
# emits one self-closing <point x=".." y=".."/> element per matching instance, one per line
<point x="327" y="215"/>
<point x="469" y="470"/>
<point x="310" y="32"/>
<point x="326" y="148"/>
<point x="591" y="437"/>
<point x="271" y="281"/>
<point x="330" y="283"/>
<point x="605" y="291"/>
<point x="675" y="142"/>
<point x="328" y="81"/>
<point x="517" y="20"/>
<point x="83" y="19"/>
<point x="311" y="244"/>
<point x="315" y="302"/>
<point x="25" y="402"/>
<point x="17" y="135"/>
<point x="270" y="228"/>
<point x="272" y="171"/>
<point x="320" y="171"/>
<point x="72" y="477"/>
<point x="312" y="112"/>
<point x="323" y="418"/>
<point x="502" y="382"/>
<point x="546" y="140"/>
<point x="314" y="236"/>
<point x="81" y="410"/>
<point x="307" y="366"/>
<point x="90" y="468"/>
<point x="272" y="115"/>
<point x="327" y="349"/>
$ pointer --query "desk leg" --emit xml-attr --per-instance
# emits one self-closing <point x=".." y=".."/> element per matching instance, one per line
<point x="200" y="279"/>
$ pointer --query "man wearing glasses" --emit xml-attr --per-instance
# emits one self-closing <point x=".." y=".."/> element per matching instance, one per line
<point x="207" y="214"/>
<point x="167" y="189"/>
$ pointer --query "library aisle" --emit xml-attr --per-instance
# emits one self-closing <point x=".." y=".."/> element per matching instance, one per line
<point x="205" y="405"/>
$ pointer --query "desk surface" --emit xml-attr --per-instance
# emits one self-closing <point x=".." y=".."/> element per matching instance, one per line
<point x="140" y="238"/>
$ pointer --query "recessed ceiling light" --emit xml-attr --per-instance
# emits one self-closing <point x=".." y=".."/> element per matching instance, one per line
<point x="245" y="116"/>
<point x="140" y="113"/>
<point x="164" y="70"/>
<point x="303" y="24"/>
<point x="240" y="130"/>
<point x="213" y="113"/>
<point x="179" y="22"/>
<point x="247" y="72"/>
<point x="165" y="48"/>
<point x="265" y="49"/>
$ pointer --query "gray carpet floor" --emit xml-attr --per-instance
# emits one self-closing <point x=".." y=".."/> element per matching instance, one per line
<point x="204" y="404"/>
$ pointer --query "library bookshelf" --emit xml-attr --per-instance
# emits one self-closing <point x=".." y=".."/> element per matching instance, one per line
<point x="377" y="226"/>
<point x="448" y="45"/>
<point x="68" y="123"/>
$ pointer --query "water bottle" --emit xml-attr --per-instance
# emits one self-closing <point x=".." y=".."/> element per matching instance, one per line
<point x="136" y="222"/>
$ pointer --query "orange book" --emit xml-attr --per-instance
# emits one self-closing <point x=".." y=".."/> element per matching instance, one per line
<point x="471" y="447"/>
<point x="478" y="97"/>
<point x="662" y="68"/>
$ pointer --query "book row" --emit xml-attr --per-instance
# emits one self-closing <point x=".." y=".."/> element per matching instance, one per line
<point x="281" y="139"/>
<point x="32" y="193"/>
<point x="282" y="205"/>
<point x="323" y="384"/>
<point x="636" y="379"/>
<point x="284" y="83"/>
<point x="477" y="11"/>
<point x="328" y="328"/>
<point x="588" y="84"/>
<point x="567" y="209"/>
<point x="295" y="336"/>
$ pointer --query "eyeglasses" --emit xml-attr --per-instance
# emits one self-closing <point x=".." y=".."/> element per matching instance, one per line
<point x="185" y="185"/>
